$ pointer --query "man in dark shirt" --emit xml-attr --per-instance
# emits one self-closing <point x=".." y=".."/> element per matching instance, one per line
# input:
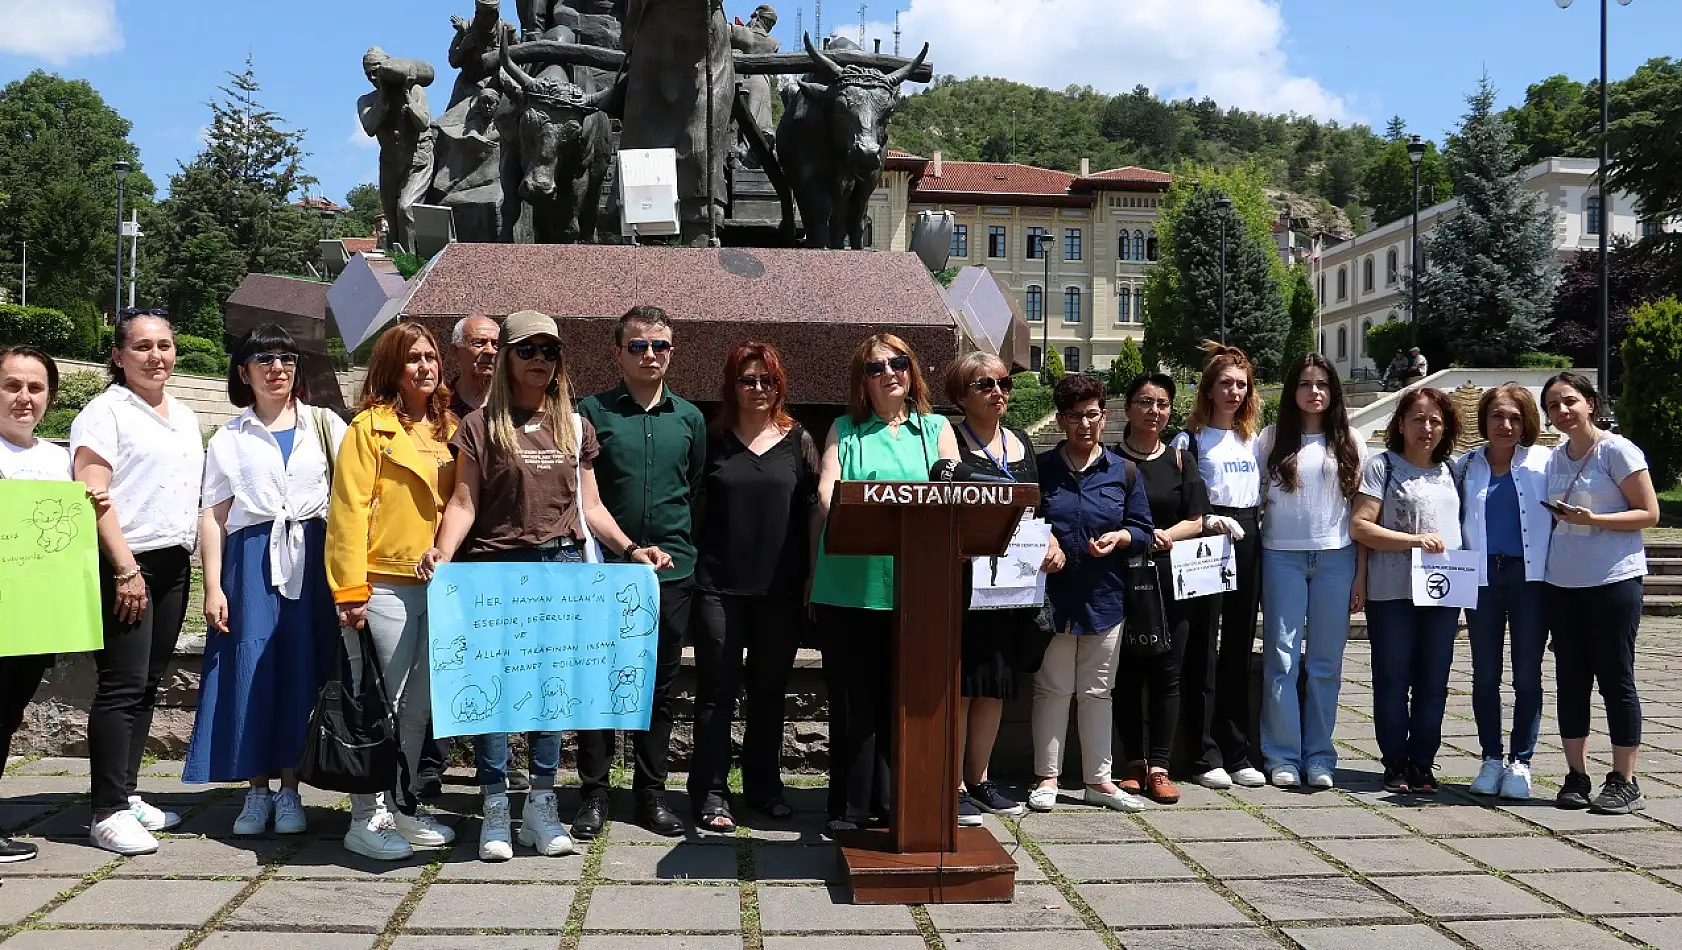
<point x="653" y="453"/>
<point x="474" y="342"/>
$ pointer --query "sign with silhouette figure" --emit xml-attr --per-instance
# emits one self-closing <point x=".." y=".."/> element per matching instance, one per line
<point x="1449" y="579"/>
<point x="1203" y="566"/>
<point x="49" y="569"/>
<point x="1014" y="580"/>
<point x="541" y="647"/>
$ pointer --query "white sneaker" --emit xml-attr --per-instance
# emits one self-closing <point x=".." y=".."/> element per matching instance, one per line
<point x="151" y="817"/>
<point x="1042" y="799"/>
<point x="1488" y="781"/>
<point x="254" y="817"/>
<point x="494" y="843"/>
<point x="1321" y="778"/>
<point x="377" y="838"/>
<point x="289" y="818"/>
<point x="123" y="833"/>
<point x="1285" y="778"/>
<point x="1119" y="800"/>
<point x="541" y="828"/>
<point x="1216" y="779"/>
<point x="422" y="830"/>
<point x="1249" y="777"/>
<point x="1515" y="782"/>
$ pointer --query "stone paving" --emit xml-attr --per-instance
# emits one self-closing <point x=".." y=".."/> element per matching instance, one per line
<point x="1351" y="868"/>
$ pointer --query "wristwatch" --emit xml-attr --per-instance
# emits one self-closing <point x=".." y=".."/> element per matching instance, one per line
<point x="630" y="549"/>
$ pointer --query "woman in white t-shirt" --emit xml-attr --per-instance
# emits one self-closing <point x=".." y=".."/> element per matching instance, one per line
<point x="1601" y="495"/>
<point x="1215" y="689"/>
<point x="28" y="383"/>
<point x="1313" y="576"/>
<point x="144" y="446"/>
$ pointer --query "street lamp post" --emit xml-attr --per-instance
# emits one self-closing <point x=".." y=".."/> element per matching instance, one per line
<point x="1416" y="157"/>
<point x="1223" y="206"/>
<point x="1044" y="241"/>
<point x="121" y="169"/>
<point x="1604" y="372"/>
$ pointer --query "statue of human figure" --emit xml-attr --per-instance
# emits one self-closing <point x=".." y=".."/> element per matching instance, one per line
<point x="474" y="38"/>
<point x="756" y="37"/>
<point x="604" y="16"/>
<point x="396" y="113"/>
<point x="677" y="53"/>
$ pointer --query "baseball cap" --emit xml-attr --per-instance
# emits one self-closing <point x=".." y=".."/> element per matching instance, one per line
<point x="525" y="324"/>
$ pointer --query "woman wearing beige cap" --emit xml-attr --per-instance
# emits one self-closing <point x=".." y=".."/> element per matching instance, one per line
<point x="526" y="491"/>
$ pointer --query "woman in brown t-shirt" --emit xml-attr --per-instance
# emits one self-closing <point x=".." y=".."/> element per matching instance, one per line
<point x="526" y="491"/>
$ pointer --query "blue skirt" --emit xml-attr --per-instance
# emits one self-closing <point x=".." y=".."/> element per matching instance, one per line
<point x="260" y="679"/>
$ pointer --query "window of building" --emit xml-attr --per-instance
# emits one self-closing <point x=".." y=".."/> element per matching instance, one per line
<point x="1071" y="244"/>
<point x="1150" y="246"/>
<point x="1391" y="268"/>
<point x="1342" y="343"/>
<point x="1071" y="305"/>
<point x="1650" y="227"/>
<point x="960" y="241"/>
<point x="1320" y="291"/>
<point x="1071" y="359"/>
<point x="1366" y="276"/>
<point x="1035" y="249"/>
<point x="1139" y="245"/>
<point x="996" y="241"/>
<point x="1139" y="304"/>
<point x="1343" y="283"/>
<point x="1362" y="343"/>
<point x="1124" y="306"/>
<point x="1124" y="248"/>
<point x="1322" y="343"/>
<point x="1591" y="215"/>
<point x="1035" y="303"/>
<point x="1034" y="358"/>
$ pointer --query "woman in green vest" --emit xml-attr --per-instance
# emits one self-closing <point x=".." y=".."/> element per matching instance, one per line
<point x="888" y="434"/>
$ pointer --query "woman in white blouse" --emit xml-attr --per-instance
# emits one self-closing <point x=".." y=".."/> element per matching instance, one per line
<point x="143" y="446"/>
<point x="272" y="629"/>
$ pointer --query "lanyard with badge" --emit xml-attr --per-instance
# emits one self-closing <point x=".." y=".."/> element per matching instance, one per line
<point x="1014" y="580"/>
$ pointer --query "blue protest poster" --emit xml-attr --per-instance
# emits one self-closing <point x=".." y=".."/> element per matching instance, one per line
<point x="541" y="647"/>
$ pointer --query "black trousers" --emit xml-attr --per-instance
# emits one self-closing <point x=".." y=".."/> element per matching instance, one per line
<point x="858" y="677"/>
<point x="20" y="676"/>
<point x="1216" y="700"/>
<point x="129" y="667"/>
<point x="652" y="749"/>
<point x="1146" y="698"/>
<point x="768" y="627"/>
<point x="1594" y="641"/>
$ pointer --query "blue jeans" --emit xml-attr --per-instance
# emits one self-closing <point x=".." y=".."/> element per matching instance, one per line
<point x="1508" y="602"/>
<point x="1305" y="596"/>
<point x="1412" y="651"/>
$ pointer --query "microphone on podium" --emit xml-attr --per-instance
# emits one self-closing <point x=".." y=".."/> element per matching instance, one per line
<point x="951" y="470"/>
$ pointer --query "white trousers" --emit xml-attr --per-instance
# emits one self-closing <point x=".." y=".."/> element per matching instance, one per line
<point x="1081" y="667"/>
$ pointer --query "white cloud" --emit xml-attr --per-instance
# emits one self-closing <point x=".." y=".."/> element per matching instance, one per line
<point x="1230" y="50"/>
<point x="360" y="139"/>
<point x="59" y="30"/>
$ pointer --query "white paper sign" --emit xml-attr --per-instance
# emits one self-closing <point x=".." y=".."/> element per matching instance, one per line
<point x="1014" y="580"/>
<point x="1203" y="566"/>
<point x="1449" y="579"/>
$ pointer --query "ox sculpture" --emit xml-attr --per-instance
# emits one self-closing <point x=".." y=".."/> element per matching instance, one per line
<point x="559" y="156"/>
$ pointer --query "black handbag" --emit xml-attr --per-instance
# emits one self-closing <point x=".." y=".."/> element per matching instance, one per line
<point x="352" y="745"/>
<point x="1036" y="636"/>
<point x="1144" y="627"/>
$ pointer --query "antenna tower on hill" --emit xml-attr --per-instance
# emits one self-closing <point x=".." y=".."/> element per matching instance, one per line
<point x="862" y="8"/>
<point x="896" y="32"/>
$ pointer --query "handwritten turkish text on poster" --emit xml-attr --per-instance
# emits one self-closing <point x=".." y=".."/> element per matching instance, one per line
<point x="541" y="647"/>
<point x="49" y="569"/>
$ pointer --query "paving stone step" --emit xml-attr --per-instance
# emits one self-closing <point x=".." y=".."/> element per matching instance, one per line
<point x="1662" y="584"/>
<point x="1663" y="565"/>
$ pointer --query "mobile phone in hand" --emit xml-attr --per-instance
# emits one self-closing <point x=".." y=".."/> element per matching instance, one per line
<point x="1557" y="507"/>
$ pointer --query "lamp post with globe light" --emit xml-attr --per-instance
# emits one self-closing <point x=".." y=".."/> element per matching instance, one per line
<point x="1416" y="156"/>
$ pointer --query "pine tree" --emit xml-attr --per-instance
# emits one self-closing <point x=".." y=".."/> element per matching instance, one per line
<point x="1303" y="309"/>
<point x="1490" y="270"/>
<point x="1396" y="130"/>
<point x="1126" y="367"/>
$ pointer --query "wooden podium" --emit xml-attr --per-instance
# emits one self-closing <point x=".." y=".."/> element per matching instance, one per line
<point x="923" y="857"/>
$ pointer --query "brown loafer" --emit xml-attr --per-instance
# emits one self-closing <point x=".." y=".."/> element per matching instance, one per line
<point x="1136" y="780"/>
<point x="1159" y="789"/>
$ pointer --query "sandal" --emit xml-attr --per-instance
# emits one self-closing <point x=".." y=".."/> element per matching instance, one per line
<point x="716" y="818"/>
<point x="774" y="808"/>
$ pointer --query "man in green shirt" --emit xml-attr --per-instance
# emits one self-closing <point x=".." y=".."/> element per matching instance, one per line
<point x="653" y="449"/>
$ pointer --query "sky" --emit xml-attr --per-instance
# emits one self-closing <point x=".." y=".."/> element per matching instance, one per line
<point x="159" y="61"/>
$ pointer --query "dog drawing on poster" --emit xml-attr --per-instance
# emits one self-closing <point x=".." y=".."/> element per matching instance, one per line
<point x="625" y="686"/>
<point x="636" y="620"/>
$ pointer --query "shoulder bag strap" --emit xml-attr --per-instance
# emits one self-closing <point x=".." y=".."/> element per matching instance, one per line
<point x="592" y="550"/>
<point x="324" y="438"/>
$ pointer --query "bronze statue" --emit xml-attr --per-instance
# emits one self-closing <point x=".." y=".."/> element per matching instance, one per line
<point x="557" y="156"/>
<point x="679" y="81"/>
<point x="474" y="38"/>
<point x="397" y="115"/>
<point x="756" y="37"/>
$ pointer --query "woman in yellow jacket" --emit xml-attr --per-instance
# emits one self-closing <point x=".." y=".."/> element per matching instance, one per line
<point x="393" y="476"/>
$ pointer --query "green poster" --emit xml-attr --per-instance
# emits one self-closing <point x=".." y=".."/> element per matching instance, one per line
<point x="49" y="569"/>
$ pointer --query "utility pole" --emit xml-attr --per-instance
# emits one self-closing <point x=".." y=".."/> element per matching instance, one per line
<point x="896" y="33"/>
<point x="133" y="252"/>
<point x="817" y="24"/>
<point x="863" y="7"/>
<point x="800" y="20"/>
<point x="25" y="302"/>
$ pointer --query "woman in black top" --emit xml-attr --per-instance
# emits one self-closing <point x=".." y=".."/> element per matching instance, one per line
<point x="1178" y="500"/>
<point x="756" y="504"/>
<point x="980" y="385"/>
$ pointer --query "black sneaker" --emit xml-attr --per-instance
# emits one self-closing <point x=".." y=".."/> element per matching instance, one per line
<point x="1396" y="779"/>
<point x="1574" y="794"/>
<point x="1619" y="796"/>
<point x="988" y="798"/>
<point x="969" y="816"/>
<point x="1422" y="780"/>
<point x="14" y="851"/>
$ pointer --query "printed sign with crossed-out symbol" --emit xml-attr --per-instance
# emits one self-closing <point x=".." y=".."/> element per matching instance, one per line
<point x="1437" y="585"/>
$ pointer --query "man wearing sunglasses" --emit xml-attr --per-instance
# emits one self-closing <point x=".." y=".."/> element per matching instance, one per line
<point x="653" y="454"/>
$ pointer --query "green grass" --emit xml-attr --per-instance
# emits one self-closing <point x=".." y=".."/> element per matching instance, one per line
<point x="1670" y="506"/>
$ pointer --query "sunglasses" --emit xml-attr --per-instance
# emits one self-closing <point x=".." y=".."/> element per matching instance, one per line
<point x="987" y="384"/>
<point x="529" y="351"/>
<point x="639" y="347"/>
<point x="136" y="312"/>
<point x="898" y="364"/>
<point x="286" y="360"/>
<point x="749" y="381"/>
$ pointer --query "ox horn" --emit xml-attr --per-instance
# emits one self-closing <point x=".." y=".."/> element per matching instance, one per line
<point x="903" y="73"/>
<point x="520" y="76"/>
<point x="827" y="65"/>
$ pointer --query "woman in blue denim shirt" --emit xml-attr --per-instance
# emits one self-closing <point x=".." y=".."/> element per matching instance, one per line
<point x="1096" y="504"/>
